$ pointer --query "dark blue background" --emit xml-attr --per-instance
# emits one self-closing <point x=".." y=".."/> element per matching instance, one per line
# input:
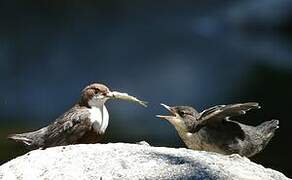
<point x="198" y="53"/>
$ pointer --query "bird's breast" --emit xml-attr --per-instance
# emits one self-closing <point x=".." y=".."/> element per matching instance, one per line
<point x="99" y="118"/>
<point x="198" y="141"/>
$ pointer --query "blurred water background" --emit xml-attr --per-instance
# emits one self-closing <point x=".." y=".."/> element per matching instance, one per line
<point x="199" y="53"/>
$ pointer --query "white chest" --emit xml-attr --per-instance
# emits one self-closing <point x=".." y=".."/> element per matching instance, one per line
<point x="99" y="118"/>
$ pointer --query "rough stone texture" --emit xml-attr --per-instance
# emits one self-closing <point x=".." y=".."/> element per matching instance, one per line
<point x="131" y="161"/>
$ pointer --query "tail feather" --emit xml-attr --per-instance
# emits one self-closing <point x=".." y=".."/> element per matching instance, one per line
<point x="269" y="127"/>
<point x="24" y="138"/>
<point x="32" y="140"/>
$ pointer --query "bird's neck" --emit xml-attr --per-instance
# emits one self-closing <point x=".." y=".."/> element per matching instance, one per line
<point x="99" y="116"/>
<point x="191" y="140"/>
<point x="188" y="138"/>
<point x="179" y="125"/>
<point x="97" y="103"/>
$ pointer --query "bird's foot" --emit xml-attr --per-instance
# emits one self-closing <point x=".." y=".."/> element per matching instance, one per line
<point x="235" y="156"/>
<point x="143" y="143"/>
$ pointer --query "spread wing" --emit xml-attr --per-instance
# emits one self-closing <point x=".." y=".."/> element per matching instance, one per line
<point x="223" y="112"/>
<point x="68" y="128"/>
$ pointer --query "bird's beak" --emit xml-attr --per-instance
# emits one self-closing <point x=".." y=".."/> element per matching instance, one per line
<point x="109" y="95"/>
<point x="124" y="96"/>
<point x="170" y="109"/>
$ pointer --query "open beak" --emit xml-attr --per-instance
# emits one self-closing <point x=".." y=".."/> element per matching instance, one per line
<point x="171" y="110"/>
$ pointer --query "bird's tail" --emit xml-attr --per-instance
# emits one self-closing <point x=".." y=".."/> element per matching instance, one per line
<point x="268" y="128"/>
<point x="31" y="140"/>
<point x="23" y="138"/>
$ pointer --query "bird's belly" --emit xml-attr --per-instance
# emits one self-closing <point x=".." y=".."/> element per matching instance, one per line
<point x="195" y="142"/>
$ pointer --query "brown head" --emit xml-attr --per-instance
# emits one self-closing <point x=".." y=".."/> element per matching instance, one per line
<point x="94" y="94"/>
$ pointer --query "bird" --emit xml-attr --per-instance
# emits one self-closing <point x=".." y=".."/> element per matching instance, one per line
<point x="83" y="123"/>
<point x="213" y="129"/>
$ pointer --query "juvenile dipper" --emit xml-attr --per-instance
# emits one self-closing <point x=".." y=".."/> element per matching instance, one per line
<point x="212" y="130"/>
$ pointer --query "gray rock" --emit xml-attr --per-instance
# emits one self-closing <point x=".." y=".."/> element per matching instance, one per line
<point x="131" y="161"/>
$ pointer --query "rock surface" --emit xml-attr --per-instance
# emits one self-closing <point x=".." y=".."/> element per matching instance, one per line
<point x="131" y="161"/>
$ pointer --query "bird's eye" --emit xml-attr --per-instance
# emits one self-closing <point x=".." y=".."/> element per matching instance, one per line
<point x="96" y="91"/>
<point x="182" y="113"/>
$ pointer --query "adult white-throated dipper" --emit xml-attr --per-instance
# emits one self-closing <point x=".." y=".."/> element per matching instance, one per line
<point x="85" y="122"/>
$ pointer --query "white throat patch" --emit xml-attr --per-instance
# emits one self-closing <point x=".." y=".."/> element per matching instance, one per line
<point x="99" y="116"/>
<point x="97" y="102"/>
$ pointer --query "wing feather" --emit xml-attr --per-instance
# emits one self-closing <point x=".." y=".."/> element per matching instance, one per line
<point x="68" y="128"/>
<point x="219" y="113"/>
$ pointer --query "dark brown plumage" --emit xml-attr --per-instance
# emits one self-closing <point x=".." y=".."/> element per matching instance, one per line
<point x="85" y="122"/>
